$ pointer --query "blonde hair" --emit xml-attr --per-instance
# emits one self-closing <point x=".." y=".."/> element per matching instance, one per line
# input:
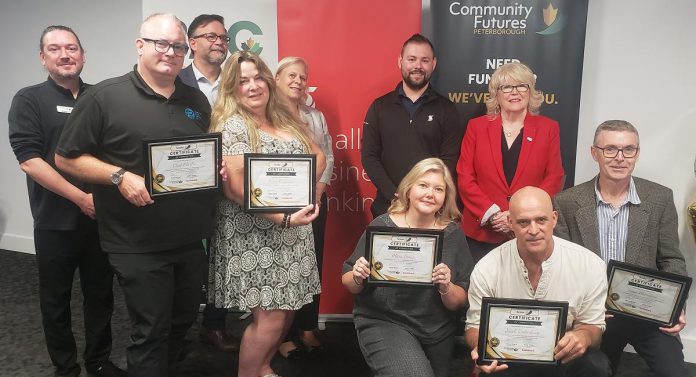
<point x="288" y="61"/>
<point x="449" y="211"/>
<point x="513" y="72"/>
<point x="228" y="104"/>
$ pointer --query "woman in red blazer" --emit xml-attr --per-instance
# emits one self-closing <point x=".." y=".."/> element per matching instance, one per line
<point x="509" y="148"/>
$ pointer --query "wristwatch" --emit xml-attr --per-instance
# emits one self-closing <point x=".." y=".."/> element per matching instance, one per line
<point x="117" y="176"/>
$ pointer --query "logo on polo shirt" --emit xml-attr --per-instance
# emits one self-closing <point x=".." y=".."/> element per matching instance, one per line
<point x="192" y="114"/>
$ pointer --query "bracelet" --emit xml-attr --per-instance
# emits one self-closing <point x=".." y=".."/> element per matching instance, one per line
<point x="284" y="223"/>
<point x="356" y="281"/>
<point x="446" y="292"/>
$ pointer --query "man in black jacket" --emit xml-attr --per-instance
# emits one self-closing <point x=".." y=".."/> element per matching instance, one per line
<point x="409" y="124"/>
<point x="65" y="233"/>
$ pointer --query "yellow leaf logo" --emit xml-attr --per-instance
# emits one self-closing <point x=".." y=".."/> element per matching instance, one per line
<point x="550" y="14"/>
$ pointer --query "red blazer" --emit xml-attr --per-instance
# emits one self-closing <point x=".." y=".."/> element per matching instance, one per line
<point x="481" y="178"/>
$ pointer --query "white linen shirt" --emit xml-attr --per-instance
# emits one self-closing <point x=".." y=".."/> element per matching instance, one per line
<point x="572" y="273"/>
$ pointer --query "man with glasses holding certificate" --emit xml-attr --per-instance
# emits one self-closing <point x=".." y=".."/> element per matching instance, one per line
<point x="537" y="266"/>
<point x="153" y="245"/>
<point x="627" y="219"/>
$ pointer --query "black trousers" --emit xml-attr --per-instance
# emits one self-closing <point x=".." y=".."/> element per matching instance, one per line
<point x="307" y="318"/>
<point x="162" y="291"/>
<point x="58" y="255"/>
<point x="663" y="353"/>
<point x="479" y="249"/>
<point x="214" y="317"/>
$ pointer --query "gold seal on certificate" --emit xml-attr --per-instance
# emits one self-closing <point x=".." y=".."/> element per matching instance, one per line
<point x="279" y="182"/>
<point x="520" y="331"/>
<point x="399" y="256"/>
<point x="182" y="164"/>
<point x="643" y="293"/>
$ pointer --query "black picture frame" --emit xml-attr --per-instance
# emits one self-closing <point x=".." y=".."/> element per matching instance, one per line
<point x="524" y="307"/>
<point x="183" y="148"/>
<point x="613" y="297"/>
<point x="256" y="160"/>
<point x="401" y="235"/>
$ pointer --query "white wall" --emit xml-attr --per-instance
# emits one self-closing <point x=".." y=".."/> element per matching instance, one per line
<point x="107" y="31"/>
<point x="639" y="59"/>
<point x="639" y="56"/>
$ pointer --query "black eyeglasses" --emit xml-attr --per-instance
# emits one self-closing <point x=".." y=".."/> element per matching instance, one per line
<point x="611" y="151"/>
<point x="521" y="88"/>
<point x="162" y="46"/>
<point x="212" y="37"/>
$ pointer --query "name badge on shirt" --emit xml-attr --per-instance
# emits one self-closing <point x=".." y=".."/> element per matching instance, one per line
<point x="64" y="109"/>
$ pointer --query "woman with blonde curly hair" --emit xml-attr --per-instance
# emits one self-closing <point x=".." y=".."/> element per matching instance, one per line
<point x="509" y="148"/>
<point x="406" y="331"/>
<point x="263" y="263"/>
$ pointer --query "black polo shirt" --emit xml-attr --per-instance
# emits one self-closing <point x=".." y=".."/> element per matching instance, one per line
<point x="36" y="118"/>
<point x="110" y="123"/>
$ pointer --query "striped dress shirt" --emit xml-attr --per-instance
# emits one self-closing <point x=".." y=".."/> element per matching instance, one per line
<point x="613" y="224"/>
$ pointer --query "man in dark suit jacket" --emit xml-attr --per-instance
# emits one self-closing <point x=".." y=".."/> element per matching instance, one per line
<point x="633" y="220"/>
<point x="208" y="40"/>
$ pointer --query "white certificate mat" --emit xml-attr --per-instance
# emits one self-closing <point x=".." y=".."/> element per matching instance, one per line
<point x="402" y="256"/>
<point x="646" y="294"/>
<point x="277" y="183"/>
<point x="521" y="331"/>
<point x="182" y="164"/>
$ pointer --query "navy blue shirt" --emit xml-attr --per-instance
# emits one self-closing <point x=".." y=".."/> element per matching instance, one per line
<point x="410" y="106"/>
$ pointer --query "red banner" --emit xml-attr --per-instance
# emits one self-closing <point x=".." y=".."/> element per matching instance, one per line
<point x="352" y="47"/>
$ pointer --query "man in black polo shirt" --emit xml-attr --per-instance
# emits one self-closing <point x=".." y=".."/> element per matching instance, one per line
<point x="154" y="245"/>
<point x="65" y="234"/>
<point x="409" y="124"/>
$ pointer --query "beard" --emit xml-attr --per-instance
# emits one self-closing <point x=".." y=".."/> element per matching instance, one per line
<point x="65" y="75"/>
<point x="216" y="59"/>
<point x="416" y="85"/>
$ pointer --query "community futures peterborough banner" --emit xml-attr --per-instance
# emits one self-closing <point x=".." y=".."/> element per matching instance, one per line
<point x="352" y="47"/>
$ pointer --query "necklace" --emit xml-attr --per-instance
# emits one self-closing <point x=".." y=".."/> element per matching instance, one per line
<point x="409" y="225"/>
<point x="510" y="133"/>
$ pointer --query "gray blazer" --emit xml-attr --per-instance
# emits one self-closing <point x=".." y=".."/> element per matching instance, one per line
<point x="652" y="241"/>
<point x="320" y="134"/>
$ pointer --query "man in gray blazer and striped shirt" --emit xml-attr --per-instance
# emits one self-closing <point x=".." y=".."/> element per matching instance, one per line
<point x="632" y="220"/>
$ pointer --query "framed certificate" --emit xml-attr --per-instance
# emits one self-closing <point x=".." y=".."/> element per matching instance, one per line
<point x="400" y="256"/>
<point x="654" y="296"/>
<point x="520" y="331"/>
<point x="279" y="182"/>
<point x="182" y="164"/>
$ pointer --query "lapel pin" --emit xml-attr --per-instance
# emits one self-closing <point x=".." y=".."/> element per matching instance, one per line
<point x="529" y="138"/>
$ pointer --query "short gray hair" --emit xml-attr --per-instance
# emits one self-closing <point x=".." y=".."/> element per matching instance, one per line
<point x="616" y="125"/>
